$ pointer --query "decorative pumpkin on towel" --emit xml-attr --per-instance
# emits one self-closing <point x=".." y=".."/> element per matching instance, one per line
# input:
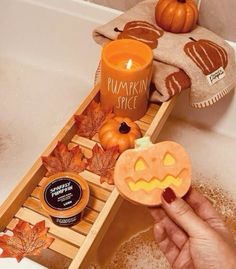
<point x="176" y="16"/>
<point x="207" y="55"/>
<point x="119" y="131"/>
<point x="141" y="31"/>
<point x="177" y="82"/>
<point x="141" y="174"/>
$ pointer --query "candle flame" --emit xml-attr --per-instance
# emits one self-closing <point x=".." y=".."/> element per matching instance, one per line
<point x="129" y="64"/>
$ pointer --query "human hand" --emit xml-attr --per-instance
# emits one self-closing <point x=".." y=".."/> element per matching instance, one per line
<point x="191" y="233"/>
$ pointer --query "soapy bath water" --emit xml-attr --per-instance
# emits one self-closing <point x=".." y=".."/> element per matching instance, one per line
<point x="139" y="252"/>
<point x="142" y="252"/>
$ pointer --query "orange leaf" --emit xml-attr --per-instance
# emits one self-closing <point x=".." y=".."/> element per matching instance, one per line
<point x="90" y="121"/>
<point x="103" y="162"/>
<point x="64" y="160"/>
<point x="25" y="240"/>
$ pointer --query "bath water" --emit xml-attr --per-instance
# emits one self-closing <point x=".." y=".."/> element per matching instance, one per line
<point x="142" y="252"/>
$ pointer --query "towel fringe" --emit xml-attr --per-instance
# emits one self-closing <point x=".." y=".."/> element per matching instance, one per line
<point x="213" y="99"/>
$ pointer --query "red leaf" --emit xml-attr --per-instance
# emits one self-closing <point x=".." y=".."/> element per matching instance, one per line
<point x="25" y="240"/>
<point x="64" y="160"/>
<point x="90" y="121"/>
<point x="103" y="162"/>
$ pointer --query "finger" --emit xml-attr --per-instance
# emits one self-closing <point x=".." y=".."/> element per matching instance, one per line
<point x="184" y="260"/>
<point x="205" y="210"/>
<point x="182" y="214"/>
<point x="201" y="205"/>
<point x="177" y="235"/>
<point x="166" y="245"/>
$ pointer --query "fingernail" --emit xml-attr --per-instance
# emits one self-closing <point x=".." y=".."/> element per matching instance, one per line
<point x="169" y="195"/>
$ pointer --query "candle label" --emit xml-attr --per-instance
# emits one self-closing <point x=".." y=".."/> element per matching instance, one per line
<point x="127" y="92"/>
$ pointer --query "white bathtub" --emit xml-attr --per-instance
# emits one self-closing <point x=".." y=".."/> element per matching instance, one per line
<point x="47" y="65"/>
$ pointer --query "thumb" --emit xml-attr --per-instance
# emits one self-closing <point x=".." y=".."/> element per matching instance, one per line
<point x="183" y="215"/>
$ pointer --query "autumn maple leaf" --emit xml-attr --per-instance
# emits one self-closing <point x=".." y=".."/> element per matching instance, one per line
<point x="90" y="121"/>
<point x="25" y="240"/>
<point x="64" y="160"/>
<point x="103" y="162"/>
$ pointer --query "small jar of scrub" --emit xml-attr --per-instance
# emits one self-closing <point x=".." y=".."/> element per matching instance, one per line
<point x="64" y="197"/>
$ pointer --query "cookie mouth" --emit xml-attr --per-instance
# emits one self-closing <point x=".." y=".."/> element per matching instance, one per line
<point x="155" y="183"/>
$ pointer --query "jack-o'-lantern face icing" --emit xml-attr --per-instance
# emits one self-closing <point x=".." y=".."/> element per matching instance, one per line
<point x="142" y="174"/>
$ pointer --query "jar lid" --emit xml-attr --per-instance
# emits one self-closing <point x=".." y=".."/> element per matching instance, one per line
<point x="64" y="195"/>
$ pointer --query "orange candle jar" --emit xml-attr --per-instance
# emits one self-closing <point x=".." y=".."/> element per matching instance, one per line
<point x="126" y="69"/>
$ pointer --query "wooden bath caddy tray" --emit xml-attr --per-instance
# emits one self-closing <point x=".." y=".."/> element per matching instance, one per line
<point x="77" y="242"/>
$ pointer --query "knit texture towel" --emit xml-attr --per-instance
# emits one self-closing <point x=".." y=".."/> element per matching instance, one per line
<point x="199" y="60"/>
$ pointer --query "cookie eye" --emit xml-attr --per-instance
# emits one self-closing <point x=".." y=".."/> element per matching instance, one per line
<point x="140" y="165"/>
<point x="168" y="160"/>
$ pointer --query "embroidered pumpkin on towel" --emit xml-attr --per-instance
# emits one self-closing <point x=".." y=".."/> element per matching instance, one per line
<point x="120" y="132"/>
<point x="176" y="16"/>
<point x="141" y="174"/>
<point x="207" y="55"/>
<point x="177" y="82"/>
<point x="141" y="31"/>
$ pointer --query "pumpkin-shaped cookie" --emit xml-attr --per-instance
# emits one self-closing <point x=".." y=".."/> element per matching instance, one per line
<point x="119" y="131"/>
<point x="141" y="31"/>
<point x="141" y="174"/>
<point x="207" y="55"/>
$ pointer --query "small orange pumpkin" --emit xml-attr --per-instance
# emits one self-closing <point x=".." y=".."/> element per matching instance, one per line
<point x="119" y="131"/>
<point x="176" y="16"/>
<point x="142" y="174"/>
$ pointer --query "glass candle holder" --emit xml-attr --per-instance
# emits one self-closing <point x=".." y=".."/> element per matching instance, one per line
<point x="126" y="70"/>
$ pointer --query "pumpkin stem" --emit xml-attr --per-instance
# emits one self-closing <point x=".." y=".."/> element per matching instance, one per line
<point x="124" y="128"/>
<point x="143" y="142"/>
<point x="193" y="39"/>
<point x="182" y="1"/>
<point x="117" y="30"/>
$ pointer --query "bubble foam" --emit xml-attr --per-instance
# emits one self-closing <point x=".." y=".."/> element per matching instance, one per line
<point x="139" y="252"/>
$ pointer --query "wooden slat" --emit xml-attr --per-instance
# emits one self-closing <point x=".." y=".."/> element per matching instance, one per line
<point x="95" y="204"/>
<point x="57" y="245"/>
<point x="96" y="139"/>
<point x="143" y="126"/>
<point x="82" y="227"/>
<point x="90" y="215"/>
<point x="95" y="179"/>
<point x="83" y="141"/>
<point x="152" y="110"/>
<point x="160" y="119"/>
<point x="99" y="192"/>
<point x="146" y="119"/>
<point x="63" y="233"/>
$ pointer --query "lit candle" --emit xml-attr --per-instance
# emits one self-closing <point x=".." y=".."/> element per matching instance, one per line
<point x="130" y="64"/>
<point x="126" y="69"/>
